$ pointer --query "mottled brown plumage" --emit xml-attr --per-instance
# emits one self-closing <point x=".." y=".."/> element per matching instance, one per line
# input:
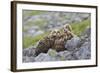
<point x="67" y="27"/>
<point x="59" y="44"/>
<point x="67" y="30"/>
<point x="55" y="40"/>
<point x="45" y="44"/>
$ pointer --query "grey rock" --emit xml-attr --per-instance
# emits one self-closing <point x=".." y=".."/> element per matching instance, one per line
<point x="64" y="53"/>
<point x="52" y="53"/>
<point x="71" y="57"/>
<point x="67" y="55"/>
<point x="70" y="45"/>
<point x="28" y="59"/>
<point x="40" y="57"/>
<point x="29" y="51"/>
<point x="86" y="33"/>
<point x="84" y="51"/>
<point x="50" y="58"/>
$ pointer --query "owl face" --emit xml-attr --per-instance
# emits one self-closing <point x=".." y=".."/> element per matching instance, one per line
<point x="53" y="33"/>
<point x="67" y="27"/>
<point x="58" y="33"/>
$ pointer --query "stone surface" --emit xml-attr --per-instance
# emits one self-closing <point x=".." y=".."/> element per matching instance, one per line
<point x="72" y="44"/>
<point x="28" y="52"/>
<point x="84" y="51"/>
<point x="28" y="59"/>
<point x="41" y="57"/>
<point x="52" y="53"/>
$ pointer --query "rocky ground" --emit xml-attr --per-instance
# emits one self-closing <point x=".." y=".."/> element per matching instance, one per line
<point x="39" y="23"/>
<point x="77" y="48"/>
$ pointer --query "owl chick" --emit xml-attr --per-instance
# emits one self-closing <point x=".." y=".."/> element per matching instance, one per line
<point x="59" y="42"/>
<point x="43" y="46"/>
<point x="46" y="43"/>
<point x="67" y="31"/>
<point x="67" y="27"/>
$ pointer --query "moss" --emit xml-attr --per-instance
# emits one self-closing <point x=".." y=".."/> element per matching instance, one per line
<point x="52" y="53"/>
<point x="78" y="28"/>
<point x="29" y="41"/>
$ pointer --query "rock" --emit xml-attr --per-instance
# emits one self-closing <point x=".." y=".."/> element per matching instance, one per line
<point x="52" y="53"/>
<point x="40" y="57"/>
<point x="28" y="59"/>
<point x="32" y="59"/>
<point x="86" y="34"/>
<point x="87" y="31"/>
<point x="64" y="53"/>
<point x="50" y="58"/>
<point x="84" y="51"/>
<point x="43" y="57"/>
<point x="67" y="55"/>
<point x="70" y="45"/>
<point x="28" y="54"/>
<point x="29" y="51"/>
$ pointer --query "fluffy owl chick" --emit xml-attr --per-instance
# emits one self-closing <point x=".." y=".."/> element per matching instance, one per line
<point x="67" y="27"/>
<point x="52" y="34"/>
<point x="59" y="42"/>
<point x="68" y="32"/>
<point x="43" y="46"/>
<point x="58" y="33"/>
<point x="46" y="43"/>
